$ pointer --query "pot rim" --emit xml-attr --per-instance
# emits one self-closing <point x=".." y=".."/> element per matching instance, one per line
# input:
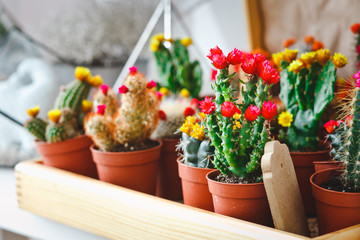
<point x="311" y="153"/>
<point x="181" y="161"/>
<point x="38" y="142"/>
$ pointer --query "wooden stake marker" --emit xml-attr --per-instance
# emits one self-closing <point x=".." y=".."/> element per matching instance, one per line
<point x="282" y="189"/>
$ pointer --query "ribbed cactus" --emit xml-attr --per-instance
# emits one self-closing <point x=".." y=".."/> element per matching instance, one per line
<point x="345" y="137"/>
<point x="133" y="122"/>
<point x="71" y="107"/>
<point x="307" y="87"/>
<point x="175" y="68"/>
<point x="239" y="131"/>
<point x="196" y="147"/>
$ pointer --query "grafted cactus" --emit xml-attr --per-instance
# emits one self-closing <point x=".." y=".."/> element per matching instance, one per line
<point x="71" y="107"/>
<point x="133" y="122"/>
<point x="239" y="131"/>
<point x="176" y="70"/>
<point x="307" y="87"/>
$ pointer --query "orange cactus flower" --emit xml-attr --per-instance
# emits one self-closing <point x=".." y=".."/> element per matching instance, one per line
<point x="323" y="55"/>
<point x="263" y="52"/>
<point x="317" y="45"/>
<point x="355" y="28"/>
<point x="288" y="42"/>
<point x="309" y="39"/>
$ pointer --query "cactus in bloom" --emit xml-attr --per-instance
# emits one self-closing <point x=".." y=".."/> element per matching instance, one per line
<point x="35" y="125"/>
<point x="345" y="136"/>
<point x="71" y="105"/>
<point x="307" y="87"/>
<point x="196" y="148"/>
<point x="106" y="96"/>
<point x="239" y="131"/>
<point x="175" y="68"/>
<point x="133" y="122"/>
<point x="355" y="28"/>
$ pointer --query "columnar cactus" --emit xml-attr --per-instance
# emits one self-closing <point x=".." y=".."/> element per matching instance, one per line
<point x="176" y="70"/>
<point x="307" y="87"/>
<point x="355" y="28"/>
<point x="106" y="96"/>
<point x="70" y="108"/>
<point x="239" y="131"/>
<point x="345" y="136"/>
<point x="133" y="122"/>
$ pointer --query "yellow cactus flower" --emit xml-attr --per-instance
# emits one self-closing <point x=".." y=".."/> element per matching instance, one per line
<point x="159" y="36"/>
<point x="198" y="132"/>
<point x="34" y="111"/>
<point x="190" y="120"/>
<point x="290" y="54"/>
<point x="95" y="81"/>
<point x="339" y="60"/>
<point x="187" y="126"/>
<point x="82" y="73"/>
<point x="295" y="66"/>
<point x="285" y="119"/>
<point x="186" y="41"/>
<point x="202" y="115"/>
<point x="184" y="92"/>
<point x="54" y="115"/>
<point x="323" y="55"/>
<point x="308" y="58"/>
<point x="237" y="125"/>
<point x="154" y="45"/>
<point x="86" y="105"/>
<point x="236" y="116"/>
<point x="164" y="91"/>
<point x="278" y="57"/>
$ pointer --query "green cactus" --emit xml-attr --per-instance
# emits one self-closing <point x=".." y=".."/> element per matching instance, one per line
<point x="307" y="87"/>
<point x="175" y="68"/>
<point x="239" y="139"/>
<point x="69" y="103"/>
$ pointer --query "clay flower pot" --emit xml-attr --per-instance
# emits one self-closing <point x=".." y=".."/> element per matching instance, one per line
<point x="243" y="201"/>
<point x="195" y="186"/>
<point x="335" y="210"/>
<point x="136" y="170"/>
<point x="169" y="183"/>
<point x="304" y="168"/>
<point x="322" y="165"/>
<point x="72" y="155"/>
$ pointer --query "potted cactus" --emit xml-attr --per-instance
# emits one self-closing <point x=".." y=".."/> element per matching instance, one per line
<point x="179" y="80"/>
<point x="195" y="162"/>
<point x="239" y="140"/>
<point x="337" y="191"/>
<point x="307" y="87"/>
<point x="123" y="153"/>
<point x="61" y="140"/>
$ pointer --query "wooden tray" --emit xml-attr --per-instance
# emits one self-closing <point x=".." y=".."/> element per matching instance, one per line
<point x="118" y="213"/>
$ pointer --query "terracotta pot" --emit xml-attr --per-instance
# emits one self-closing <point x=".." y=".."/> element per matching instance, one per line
<point x="243" y="201"/>
<point x="169" y="183"/>
<point x="195" y="186"/>
<point x="136" y="170"/>
<point x="72" y="155"/>
<point x="304" y="168"/>
<point x="335" y="210"/>
<point x="322" y="165"/>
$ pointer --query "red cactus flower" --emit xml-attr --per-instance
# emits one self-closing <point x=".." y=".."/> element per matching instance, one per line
<point x="238" y="110"/>
<point x="162" y="115"/>
<point x="101" y="109"/>
<point x="228" y="109"/>
<point x="207" y="106"/>
<point x="269" y="110"/>
<point x="355" y="28"/>
<point x="268" y="74"/>
<point x="159" y="95"/>
<point x="213" y="74"/>
<point x="330" y="126"/>
<point x="235" y="57"/>
<point x="194" y="102"/>
<point x="151" y="84"/>
<point x="123" y="89"/>
<point x="251" y="63"/>
<point x="218" y="58"/>
<point x="251" y="113"/>
<point x="189" y="111"/>
<point x="358" y="49"/>
<point x="338" y="122"/>
<point x="349" y="119"/>
<point x="104" y="88"/>
<point x="133" y="70"/>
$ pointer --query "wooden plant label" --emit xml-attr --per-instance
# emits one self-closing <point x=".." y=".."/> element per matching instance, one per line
<point x="282" y="189"/>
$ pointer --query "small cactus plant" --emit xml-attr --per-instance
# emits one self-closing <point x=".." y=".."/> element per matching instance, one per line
<point x="307" y="87"/>
<point x="133" y="122"/>
<point x="345" y="137"/>
<point x="196" y="147"/>
<point x="239" y="131"/>
<point x="355" y="28"/>
<point x="70" y="108"/>
<point x="176" y="70"/>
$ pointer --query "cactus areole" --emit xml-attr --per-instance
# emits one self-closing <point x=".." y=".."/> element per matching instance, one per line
<point x="239" y="131"/>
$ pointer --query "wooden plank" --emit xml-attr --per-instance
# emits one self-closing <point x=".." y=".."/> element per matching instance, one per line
<point x="350" y="233"/>
<point x="119" y="213"/>
<point x="282" y="189"/>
